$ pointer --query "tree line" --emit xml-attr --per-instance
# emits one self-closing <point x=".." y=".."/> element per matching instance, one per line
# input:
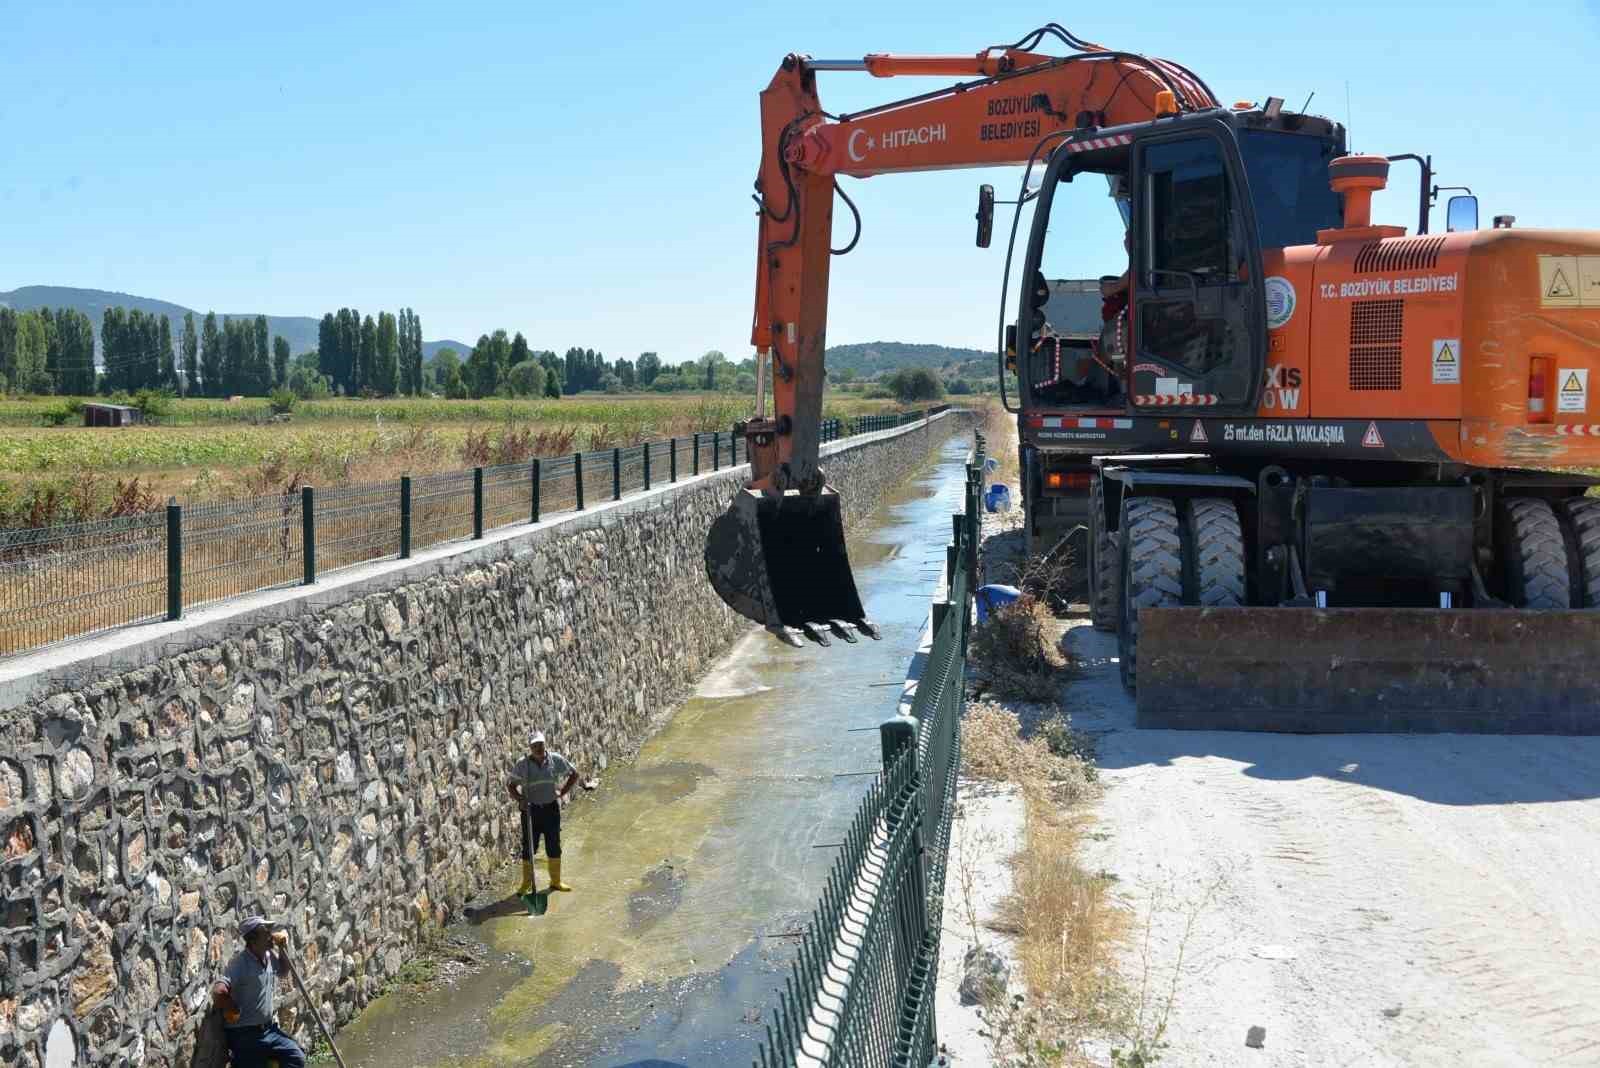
<point x="45" y="352"/>
<point x="366" y="356"/>
<point x="53" y="352"/>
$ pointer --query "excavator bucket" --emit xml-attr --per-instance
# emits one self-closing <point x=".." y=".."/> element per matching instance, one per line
<point x="781" y="561"/>
<point x="1309" y="670"/>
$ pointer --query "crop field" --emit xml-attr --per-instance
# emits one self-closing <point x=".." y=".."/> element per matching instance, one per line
<point x="219" y="450"/>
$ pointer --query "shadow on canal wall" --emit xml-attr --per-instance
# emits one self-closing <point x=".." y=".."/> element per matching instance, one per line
<point x="333" y="756"/>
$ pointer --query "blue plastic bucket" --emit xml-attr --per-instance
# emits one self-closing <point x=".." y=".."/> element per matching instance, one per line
<point x="993" y="596"/>
<point x="998" y="498"/>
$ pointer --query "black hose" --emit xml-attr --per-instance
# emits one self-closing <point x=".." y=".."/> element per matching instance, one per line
<point x="852" y="206"/>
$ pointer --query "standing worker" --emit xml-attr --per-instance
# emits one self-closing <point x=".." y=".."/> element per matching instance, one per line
<point x="247" y="996"/>
<point x="533" y="786"/>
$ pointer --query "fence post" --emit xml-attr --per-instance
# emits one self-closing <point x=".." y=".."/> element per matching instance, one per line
<point x="647" y="465"/>
<point x="672" y="464"/>
<point x="308" y="532"/>
<point x="697" y="452"/>
<point x="538" y="482"/>
<point x="174" y="559"/>
<point x="405" y="517"/>
<point x="716" y="450"/>
<point x="477" y="502"/>
<point x="616" y="474"/>
<point x="898" y="737"/>
<point x="577" y="477"/>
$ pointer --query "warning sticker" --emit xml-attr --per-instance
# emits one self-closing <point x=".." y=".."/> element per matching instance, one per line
<point x="1446" y="361"/>
<point x="1372" y="439"/>
<point x="1572" y="390"/>
<point x="1558" y="282"/>
<point x="1589" y="281"/>
<point x="1198" y="434"/>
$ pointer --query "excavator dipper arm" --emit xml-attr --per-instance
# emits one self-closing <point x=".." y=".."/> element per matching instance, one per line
<point x="778" y="554"/>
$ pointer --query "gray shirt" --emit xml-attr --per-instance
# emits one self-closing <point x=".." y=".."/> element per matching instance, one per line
<point x="540" y="782"/>
<point x="253" y="987"/>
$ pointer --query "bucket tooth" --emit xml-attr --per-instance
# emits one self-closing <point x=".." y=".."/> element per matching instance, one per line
<point x="813" y="632"/>
<point x="787" y="635"/>
<point x="781" y="560"/>
<point x="870" y="629"/>
<point x="843" y="630"/>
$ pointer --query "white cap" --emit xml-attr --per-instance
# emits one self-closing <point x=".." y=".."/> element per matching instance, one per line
<point x="535" y="738"/>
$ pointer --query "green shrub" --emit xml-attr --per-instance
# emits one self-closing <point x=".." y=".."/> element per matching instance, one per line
<point x="283" y="401"/>
<point x="154" y="404"/>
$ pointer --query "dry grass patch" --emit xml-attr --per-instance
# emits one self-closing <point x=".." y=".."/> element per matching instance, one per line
<point x="1065" y="927"/>
<point x="1014" y="655"/>
<point x="1048" y="762"/>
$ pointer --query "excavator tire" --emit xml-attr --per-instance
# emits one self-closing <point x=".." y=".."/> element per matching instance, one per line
<point x="1104" y="574"/>
<point x="1584" y="515"/>
<point x="1218" y="552"/>
<point x="1151" y="571"/>
<point x="1535" y="554"/>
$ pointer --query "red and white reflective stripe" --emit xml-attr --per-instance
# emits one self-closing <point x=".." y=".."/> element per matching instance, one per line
<point x="1057" y="422"/>
<point x="1093" y="143"/>
<point x="1182" y="400"/>
<point x="1578" y="430"/>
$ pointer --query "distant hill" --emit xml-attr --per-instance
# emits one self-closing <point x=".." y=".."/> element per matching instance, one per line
<point x="299" y="330"/>
<point x="876" y="357"/>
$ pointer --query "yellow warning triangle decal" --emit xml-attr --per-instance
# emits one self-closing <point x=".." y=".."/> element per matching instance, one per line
<point x="1372" y="439"/>
<point x="1572" y="385"/>
<point x="1559" y="286"/>
<point x="1445" y="356"/>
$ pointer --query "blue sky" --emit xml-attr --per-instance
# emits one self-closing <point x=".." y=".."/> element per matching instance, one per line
<point x="583" y="174"/>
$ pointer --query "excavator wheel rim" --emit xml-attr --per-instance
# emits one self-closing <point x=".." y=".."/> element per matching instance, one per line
<point x="1105" y="573"/>
<point x="1583" y="513"/>
<point x="1538" y="573"/>
<point x="1151" y="571"/>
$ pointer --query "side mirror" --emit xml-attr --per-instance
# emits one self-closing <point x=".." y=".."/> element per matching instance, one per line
<point x="985" y="215"/>
<point x="1461" y="214"/>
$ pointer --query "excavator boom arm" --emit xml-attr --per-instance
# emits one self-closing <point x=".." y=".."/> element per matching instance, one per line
<point x="1020" y="99"/>
<point x="777" y="556"/>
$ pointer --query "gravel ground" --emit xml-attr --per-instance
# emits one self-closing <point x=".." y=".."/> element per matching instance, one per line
<point x="1369" y="900"/>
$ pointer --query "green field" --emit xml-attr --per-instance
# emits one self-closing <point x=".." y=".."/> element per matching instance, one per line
<point x="213" y="449"/>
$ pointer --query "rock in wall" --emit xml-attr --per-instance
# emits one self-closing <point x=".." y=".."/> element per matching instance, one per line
<point x="338" y="764"/>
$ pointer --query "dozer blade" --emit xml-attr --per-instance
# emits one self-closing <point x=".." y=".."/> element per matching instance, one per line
<point x="1498" y="671"/>
<point x="781" y="561"/>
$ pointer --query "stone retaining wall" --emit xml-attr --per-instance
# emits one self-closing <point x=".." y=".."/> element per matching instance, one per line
<point x="334" y="756"/>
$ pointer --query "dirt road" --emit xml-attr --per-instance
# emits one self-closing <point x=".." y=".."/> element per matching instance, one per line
<point x="1370" y="900"/>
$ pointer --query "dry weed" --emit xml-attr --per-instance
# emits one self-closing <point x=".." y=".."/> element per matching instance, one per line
<point x="1065" y="926"/>
<point x="1013" y="655"/>
<point x="993" y="747"/>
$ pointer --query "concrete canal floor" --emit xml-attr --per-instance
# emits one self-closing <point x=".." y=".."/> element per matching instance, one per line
<point x="693" y="866"/>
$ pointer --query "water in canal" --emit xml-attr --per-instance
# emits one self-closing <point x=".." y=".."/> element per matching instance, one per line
<point x="693" y="866"/>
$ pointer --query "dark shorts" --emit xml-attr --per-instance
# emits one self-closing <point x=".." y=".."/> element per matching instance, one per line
<point x="252" y="1047"/>
<point x="542" y="820"/>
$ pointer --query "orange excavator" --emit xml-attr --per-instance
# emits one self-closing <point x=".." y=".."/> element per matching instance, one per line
<point x="1316" y="464"/>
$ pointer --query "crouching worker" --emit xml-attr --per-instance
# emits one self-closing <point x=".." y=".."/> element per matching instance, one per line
<point x="247" y="997"/>
<point x="533" y="786"/>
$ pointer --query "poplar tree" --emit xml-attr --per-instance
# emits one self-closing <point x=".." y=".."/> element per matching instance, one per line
<point x="191" y="356"/>
<point x="213" y="357"/>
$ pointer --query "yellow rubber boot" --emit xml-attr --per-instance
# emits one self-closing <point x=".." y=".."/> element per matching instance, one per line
<point x="555" y="875"/>
<point x="527" y="878"/>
